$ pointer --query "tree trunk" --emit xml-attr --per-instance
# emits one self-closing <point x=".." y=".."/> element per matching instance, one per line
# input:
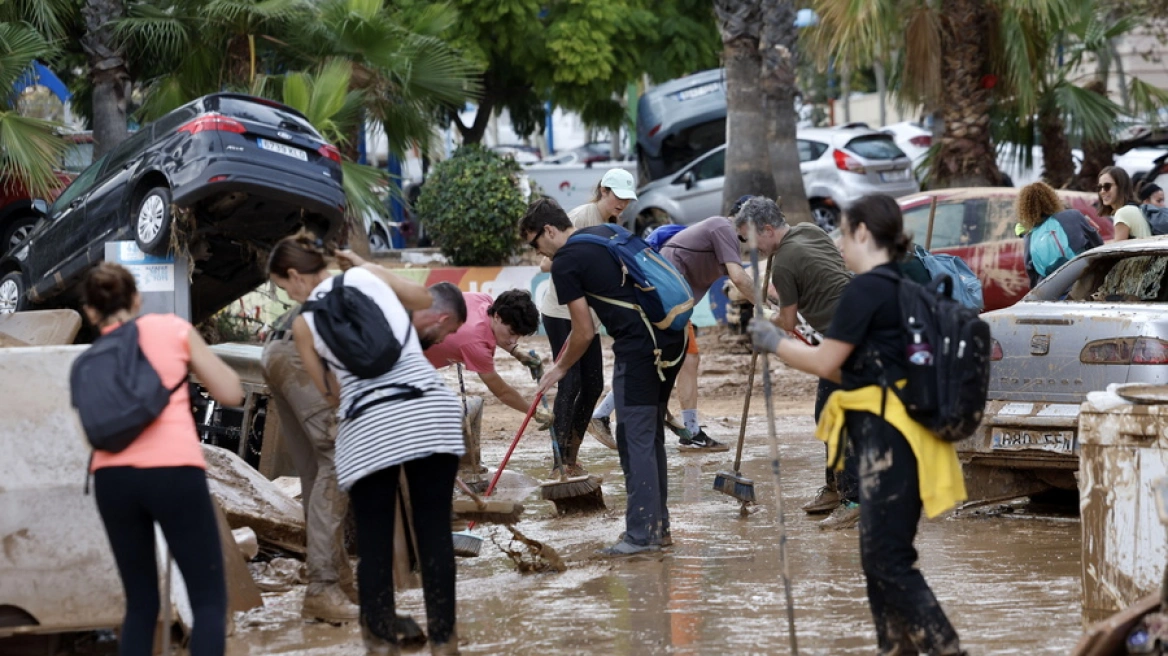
<point x="966" y="156"/>
<point x="1096" y="154"/>
<point x="108" y="73"/>
<point x="780" y="59"/>
<point x="748" y="164"/>
<point x="473" y="133"/>
<point x="1058" y="165"/>
<point x="882" y="90"/>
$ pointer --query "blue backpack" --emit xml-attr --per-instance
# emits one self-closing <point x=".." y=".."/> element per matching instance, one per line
<point x="966" y="288"/>
<point x="662" y="234"/>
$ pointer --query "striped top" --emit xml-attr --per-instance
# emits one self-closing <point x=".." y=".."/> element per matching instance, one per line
<point x="376" y="431"/>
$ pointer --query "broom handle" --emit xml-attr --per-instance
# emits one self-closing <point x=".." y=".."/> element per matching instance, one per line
<point x="750" y="378"/>
<point x="774" y="444"/>
<point x="514" y="443"/>
<point x="470" y="493"/>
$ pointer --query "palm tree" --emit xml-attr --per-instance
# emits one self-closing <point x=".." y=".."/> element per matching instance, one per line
<point x="748" y="163"/>
<point x="109" y="73"/>
<point x="779" y="53"/>
<point x="30" y="148"/>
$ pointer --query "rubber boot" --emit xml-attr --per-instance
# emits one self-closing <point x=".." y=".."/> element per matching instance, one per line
<point x="448" y="648"/>
<point x="375" y="646"/>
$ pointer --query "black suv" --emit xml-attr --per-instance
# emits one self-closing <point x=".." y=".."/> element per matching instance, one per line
<point x="241" y="172"/>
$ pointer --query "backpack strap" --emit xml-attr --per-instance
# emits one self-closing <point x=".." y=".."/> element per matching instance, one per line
<point x="661" y="365"/>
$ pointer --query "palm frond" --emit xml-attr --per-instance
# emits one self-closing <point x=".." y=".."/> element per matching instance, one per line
<point x="50" y="18"/>
<point x="857" y="31"/>
<point x="360" y="182"/>
<point x="163" y="33"/>
<point x="30" y="149"/>
<point x="234" y="10"/>
<point x="920" y="70"/>
<point x="19" y="46"/>
<point x="1089" y="116"/>
<point x="1147" y="101"/>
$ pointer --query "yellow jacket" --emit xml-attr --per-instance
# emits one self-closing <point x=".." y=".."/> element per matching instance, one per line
<point x="941" y="481"/>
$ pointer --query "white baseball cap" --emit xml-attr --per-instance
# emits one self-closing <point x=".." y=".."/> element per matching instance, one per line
<point x="621" y="183"/>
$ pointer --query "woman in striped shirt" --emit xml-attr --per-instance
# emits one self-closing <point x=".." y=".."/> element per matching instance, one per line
<point x="405" y="419"/>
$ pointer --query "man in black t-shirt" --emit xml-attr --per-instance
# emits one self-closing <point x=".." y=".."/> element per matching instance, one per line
<point x="641" y="383"/>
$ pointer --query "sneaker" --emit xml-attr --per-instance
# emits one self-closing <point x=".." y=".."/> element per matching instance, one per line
<point x="623" y="548"/>
<point x="601" y="429"/>
<point x="703" y="442"/>
<point x="846" y="515"/>
<point x="666" y="539"/>
<point x="824" y="502"/>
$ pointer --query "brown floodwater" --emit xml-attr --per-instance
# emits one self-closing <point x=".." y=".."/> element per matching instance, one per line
<point x="1010" y="583"/>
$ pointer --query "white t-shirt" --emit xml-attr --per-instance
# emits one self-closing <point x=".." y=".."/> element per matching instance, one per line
<point x="583" y="216"/>
<point x="1133" y="218"/>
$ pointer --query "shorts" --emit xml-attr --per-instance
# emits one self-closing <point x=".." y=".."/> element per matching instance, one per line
<point x="691" y="347"/>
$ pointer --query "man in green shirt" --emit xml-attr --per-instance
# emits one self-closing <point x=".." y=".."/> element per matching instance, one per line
<point x="809" y="275"/>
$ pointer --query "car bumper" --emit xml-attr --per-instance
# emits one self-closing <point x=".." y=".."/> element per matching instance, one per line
<point x="323" y="196"/>
<point x="1025" y="435"/>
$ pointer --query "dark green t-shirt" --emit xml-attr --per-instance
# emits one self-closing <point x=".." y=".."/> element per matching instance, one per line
<point x="810" y="274"/>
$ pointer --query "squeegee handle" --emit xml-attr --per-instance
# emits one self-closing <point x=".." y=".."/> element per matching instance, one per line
<point x="514" y="443"/>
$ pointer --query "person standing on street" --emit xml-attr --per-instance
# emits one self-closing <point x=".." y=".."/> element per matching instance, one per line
<point x="161" y="476"/>
<point x="403" y="420"/>
<point x="897" y="456"/>
<point x="642" y="381"/>
<point x="810" y="276"/>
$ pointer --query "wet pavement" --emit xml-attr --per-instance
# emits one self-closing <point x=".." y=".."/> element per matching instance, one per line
<point x="1009" y="583"/>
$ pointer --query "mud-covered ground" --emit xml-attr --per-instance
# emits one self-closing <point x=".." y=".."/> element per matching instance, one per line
<point x="1008" y="581"/>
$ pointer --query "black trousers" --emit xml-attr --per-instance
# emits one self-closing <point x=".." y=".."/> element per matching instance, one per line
<point x="847" y="481"/>
<point x="130" y="501"/>
<point x="907" y="615"/>
<point x="374" y="503"/>
<point x="578" y="390"/>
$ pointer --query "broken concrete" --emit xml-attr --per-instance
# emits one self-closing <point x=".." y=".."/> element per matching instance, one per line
<point x="253" y="501"/>
<point x="39" y="328"/>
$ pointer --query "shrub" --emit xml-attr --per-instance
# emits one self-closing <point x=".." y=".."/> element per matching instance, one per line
<point x="470" y="206"/>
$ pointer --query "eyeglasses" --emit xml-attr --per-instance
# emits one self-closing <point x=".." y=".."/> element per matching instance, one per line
<point x="1106" y="186"/>
<point x="742" y="239"/>
<point x="534" y="243"/>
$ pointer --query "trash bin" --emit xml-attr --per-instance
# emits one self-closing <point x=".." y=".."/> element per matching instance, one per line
<point x="1123" y="451"/>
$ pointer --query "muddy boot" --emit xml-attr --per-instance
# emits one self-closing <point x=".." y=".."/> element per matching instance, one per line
<point x="375" y="646"/>
<point x="448" y="648"/>
<point x="846" y="515"/>
<point x="826" y="501"/>
<point x="328" y="603"/>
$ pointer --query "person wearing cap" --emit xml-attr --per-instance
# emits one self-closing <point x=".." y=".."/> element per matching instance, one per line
<point x="1152" y="194"/>
<point x="613" y="194"/>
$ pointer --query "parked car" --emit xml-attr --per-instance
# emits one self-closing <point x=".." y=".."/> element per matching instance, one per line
<point x="1099" y="319"/>
<point x="248" y="170"/>
<point x="679" y="121"/>
<point x="17" y="212"/>
<point x="977" y="225"/>
<point x="911" y="137"/>
<point x="838" y="164"/>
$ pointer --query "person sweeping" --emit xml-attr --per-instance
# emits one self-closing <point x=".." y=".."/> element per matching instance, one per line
<point x="903" y="467"/>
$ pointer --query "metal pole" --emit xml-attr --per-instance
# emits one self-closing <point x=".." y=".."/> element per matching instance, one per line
<point x="932" y="215"/>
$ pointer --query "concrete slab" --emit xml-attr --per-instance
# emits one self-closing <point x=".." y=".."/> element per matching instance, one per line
<point x="41" y="327"/>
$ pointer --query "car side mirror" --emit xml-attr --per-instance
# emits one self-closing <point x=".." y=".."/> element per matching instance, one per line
<point x="40" y="206"/>
<point x="689" y="179"/>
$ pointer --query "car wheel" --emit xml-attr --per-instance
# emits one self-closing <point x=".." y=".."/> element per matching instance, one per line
<point x="17" y="232"/>
<point x="826" y="216"/>
<point x="12" y="298"/>
<point x="378" y="241"/>
<point x="650" y="221"/>
<point x="152" y="222"/>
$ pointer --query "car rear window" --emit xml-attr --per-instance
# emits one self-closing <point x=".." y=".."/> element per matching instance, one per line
<point x="877" y="146"/>
<point x="253" y="111"/>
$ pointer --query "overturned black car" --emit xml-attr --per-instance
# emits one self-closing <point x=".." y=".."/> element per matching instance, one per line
<point x="222" y="178"/>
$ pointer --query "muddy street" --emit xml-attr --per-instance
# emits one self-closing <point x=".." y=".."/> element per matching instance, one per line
<point x="1009" y="582"/>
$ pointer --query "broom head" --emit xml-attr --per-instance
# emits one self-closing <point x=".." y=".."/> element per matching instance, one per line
<point x="491" y="511"/>
<point x="737" y="486"/>
<point x="466" y="544"/>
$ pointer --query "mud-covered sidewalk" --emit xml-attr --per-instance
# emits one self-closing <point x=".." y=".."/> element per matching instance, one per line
<point x="1008" y="581"/>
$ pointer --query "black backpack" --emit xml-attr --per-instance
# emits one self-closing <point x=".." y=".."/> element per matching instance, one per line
<point x="947" y="396"/>
<point x="116" y="390"/>
<point x="355" y="329"/>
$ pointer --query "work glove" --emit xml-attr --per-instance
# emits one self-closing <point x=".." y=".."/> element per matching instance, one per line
<point x="764" y="335"/>
<point x="543" y="418"/>
<point x="769" y="314"/>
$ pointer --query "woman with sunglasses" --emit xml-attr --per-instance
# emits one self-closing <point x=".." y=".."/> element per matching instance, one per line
<point x="1117" y="195"/>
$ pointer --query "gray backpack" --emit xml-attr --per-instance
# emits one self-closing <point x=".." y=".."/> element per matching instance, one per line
<point x="1157" y="218"/>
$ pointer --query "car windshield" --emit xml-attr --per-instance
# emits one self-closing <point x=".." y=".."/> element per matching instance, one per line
<point x="260" y="113"/>
<point x="1135" y="277"/>
<point x="80" y="186"/>
<point x="876" y="146"/>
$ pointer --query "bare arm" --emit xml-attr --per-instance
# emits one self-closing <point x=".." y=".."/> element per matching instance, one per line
<point x="824" y="360"/>
<point x="741" y="279"/>
<point x="219" y="379"/>
<point x="413" y="295"/>
<point x="1122" y="231"/>
<point x="325" y="381"/>
<point x="504" y="392"/>
<point x="578" y="340"/>
<point x="788" y="318"/>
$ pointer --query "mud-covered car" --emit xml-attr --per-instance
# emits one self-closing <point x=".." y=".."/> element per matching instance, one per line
<point x="1102" y="318"/>
<point x="223" y="178"/>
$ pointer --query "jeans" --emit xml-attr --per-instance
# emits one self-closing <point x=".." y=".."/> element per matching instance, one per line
<point x="908" y="618"/>
<point x="375" y="503"/>
<point x="578" y="390"/>
<point x="847" y="481"/>
<point x="130" y="501"/>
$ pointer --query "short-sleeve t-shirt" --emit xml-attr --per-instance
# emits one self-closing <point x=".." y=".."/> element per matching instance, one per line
<point x="701" y="252"/>
<point x="582" y="216"/>
<point x="171" y="441"/>
<point x="581" y="268"/>
<point x="1133" y="217"/>
<point x="474" y="343"/>
<point x="869" y="319"/>
<point x="810" y="273"/>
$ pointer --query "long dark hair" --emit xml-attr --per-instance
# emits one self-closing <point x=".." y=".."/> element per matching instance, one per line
<point x="1125" y="191"/>
<point x="109" y="288"/>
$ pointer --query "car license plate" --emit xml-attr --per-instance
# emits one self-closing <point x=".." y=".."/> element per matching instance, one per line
<point x="277" y="147"/>
<point x="1016" y="439"/>
<point x="895" y="175"/>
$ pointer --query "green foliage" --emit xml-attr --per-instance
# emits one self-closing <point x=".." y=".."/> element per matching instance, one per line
<point x="471" y="205"/>
<point x="29" y="147"/>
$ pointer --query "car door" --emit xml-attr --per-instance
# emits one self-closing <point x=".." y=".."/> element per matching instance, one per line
<point x="51" y="242"/>
<point x="108" y="209"/>
<point x="700" y="188"/>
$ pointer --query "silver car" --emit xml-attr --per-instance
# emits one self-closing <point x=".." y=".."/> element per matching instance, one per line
<point x="1097" y="320"/>
<point x="838" y="164"/>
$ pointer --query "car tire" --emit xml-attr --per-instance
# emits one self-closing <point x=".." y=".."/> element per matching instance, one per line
<point x="649" y="221"/>
<point x="826" y="216"/>
<point x="12" y="293"/>
<point x="378" y="240"/>
<point x="18" y="230"/>
<point x="152" y="222"/>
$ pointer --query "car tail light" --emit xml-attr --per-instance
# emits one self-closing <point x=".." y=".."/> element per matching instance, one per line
<point x="846" y="162"/>
<point x="995" y="351"/>
<point x="330" y="152"/>
<point x="1125" y="350"/>
<point x="214" y="122"/>
<point x="922" y="141"/>
<point x="217" y="178"/>
<point x="654" y="130"/>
